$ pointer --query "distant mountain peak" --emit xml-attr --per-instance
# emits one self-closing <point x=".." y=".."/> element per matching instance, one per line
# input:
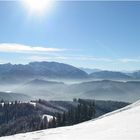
<point x="109" y="75"/>
<point x="44" y="68"/>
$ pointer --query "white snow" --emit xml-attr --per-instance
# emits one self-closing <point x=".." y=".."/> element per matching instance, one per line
<point x="123" y="124"/>
<point x="49" y="117"/>
<point x="2" y="104"/>
<point x="8" y="91"/>
<point x="32" y="103"/>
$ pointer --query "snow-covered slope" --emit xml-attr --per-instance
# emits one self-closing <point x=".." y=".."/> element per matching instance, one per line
<point x="123" y="124"/>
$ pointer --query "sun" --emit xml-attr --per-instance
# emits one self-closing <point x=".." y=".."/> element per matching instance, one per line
<point x="37" y="6"/>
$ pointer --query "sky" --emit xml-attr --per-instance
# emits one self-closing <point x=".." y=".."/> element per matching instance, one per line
<point x="90" y="34"/>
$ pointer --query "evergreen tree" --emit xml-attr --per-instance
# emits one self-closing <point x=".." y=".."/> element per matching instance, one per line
<point x="45" y="122"/>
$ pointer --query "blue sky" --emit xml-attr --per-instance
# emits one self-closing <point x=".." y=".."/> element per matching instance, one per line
<point x="104" y="35"/>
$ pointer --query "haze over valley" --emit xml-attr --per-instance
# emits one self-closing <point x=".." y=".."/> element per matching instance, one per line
<point x="58" y="81"/>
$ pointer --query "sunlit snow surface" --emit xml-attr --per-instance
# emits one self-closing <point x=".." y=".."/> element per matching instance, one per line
<point x="123" y="124"/>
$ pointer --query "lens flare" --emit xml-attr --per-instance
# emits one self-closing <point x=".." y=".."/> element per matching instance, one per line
<point x="37" y="6"/>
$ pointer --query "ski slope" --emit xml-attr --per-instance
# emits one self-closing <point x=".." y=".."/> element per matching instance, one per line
<point x="123" y="124"/>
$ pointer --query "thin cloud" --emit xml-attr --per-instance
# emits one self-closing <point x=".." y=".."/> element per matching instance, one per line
<point x="74" y="58"/>
<point x="20" y="48"/>
<point x="44" y="58"/>
<point x="82" y="58"/>
<point x="91" y="58"/>
<point x="129" y="60"/>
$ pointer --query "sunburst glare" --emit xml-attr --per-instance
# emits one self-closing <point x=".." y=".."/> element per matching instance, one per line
<point x="38" y="7"/>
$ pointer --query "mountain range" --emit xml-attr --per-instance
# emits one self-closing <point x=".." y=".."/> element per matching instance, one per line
<point x="52" y="80"/>
<point x="101" y="90"/>
<point x="9" y="72"/>
<point x="15" y="73"/>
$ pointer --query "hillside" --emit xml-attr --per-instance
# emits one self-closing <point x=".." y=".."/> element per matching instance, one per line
<point x="118" y="125"/>
<point x="89" y="70"/>
<point x="10" y="96"/>
<point x="100" y="90"/>
<point x="40" y="82"/>
<point x="136" y="74"/>
<point x="20" y="117"/>
<point x="109" y="75"/>
<point x="107" y="90"/>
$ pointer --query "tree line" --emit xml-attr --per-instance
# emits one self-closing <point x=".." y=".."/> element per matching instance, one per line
<point x="16" y="117"/>
<point x="84" y="111"/>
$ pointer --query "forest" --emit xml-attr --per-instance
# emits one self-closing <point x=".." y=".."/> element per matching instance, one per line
<point x="17" y="117"/>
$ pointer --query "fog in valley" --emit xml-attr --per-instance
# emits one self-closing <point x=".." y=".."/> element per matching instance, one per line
<point x="67" y="89"/>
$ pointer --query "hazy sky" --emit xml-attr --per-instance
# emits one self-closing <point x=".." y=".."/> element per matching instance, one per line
<point x="103" y="35"/>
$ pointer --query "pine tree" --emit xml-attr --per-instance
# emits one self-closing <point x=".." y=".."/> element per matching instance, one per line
<point x="53" y="122"/>
<point x="45" y="122"/>
<point x="59" y="119"/>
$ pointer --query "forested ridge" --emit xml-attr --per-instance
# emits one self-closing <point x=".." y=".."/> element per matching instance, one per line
<point x="17" y="117"/>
